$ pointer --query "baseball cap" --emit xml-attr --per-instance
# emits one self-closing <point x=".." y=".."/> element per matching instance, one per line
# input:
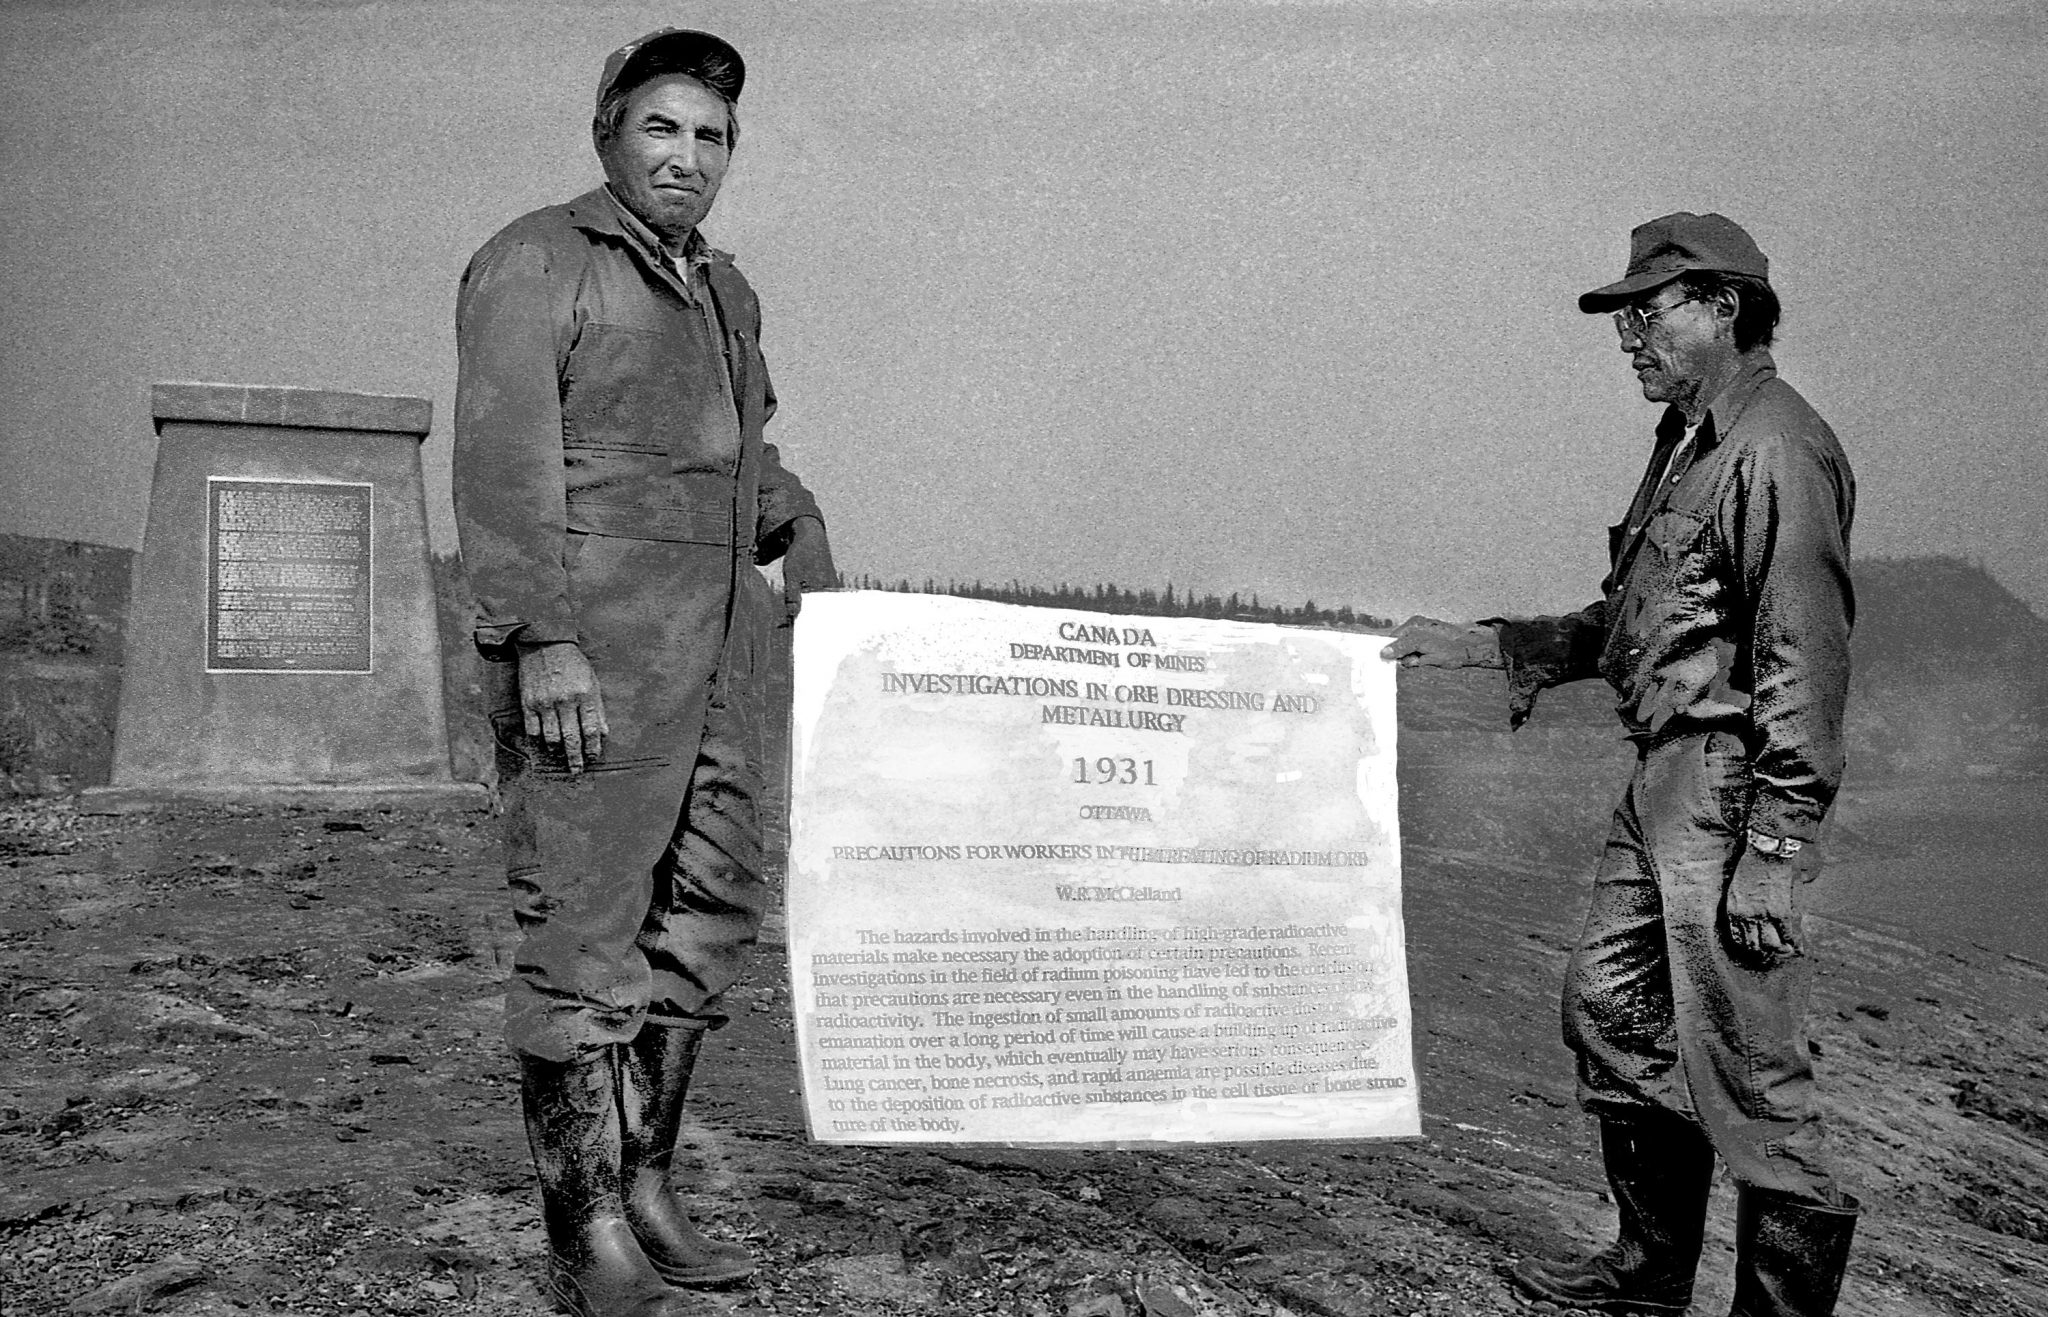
<point x="708" y="59"/>
<point x="1665" y="248"/>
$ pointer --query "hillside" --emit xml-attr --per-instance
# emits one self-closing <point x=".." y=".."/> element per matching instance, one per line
<point x="63" y="606"/>
<point x="1951" y="672"/>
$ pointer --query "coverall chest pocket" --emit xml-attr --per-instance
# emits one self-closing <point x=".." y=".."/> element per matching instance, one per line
<point x="649" y="390"/>
<point x="1674" y="533"/>
<point x="1667" y="571"/>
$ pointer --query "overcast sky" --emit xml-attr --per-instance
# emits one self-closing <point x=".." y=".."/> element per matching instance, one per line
<point x="1267" y="297"/>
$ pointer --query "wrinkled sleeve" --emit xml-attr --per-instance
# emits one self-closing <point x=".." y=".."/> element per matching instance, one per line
<point x="510" y="507"/>
<point x="783" y="498"/>
<point x="1542" y="652"/>
<point x="1786" y="523"/>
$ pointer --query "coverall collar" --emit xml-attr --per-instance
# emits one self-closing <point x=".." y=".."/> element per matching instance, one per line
<point x="1728" y="405"/>
<point x="599" y="211"/>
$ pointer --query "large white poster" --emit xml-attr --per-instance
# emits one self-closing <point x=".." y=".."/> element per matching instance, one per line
<point x="1068" y="877"/>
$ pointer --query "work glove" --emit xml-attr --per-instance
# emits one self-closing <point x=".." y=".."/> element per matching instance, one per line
<point x="1426" y="642"/>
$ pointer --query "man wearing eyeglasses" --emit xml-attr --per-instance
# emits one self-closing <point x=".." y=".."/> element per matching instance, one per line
<point x="1724" y="629"/>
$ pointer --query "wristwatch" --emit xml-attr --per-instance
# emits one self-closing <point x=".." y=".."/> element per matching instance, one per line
<point x="1782" y="847"/>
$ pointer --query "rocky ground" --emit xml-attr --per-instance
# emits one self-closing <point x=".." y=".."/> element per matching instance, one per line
<point x="254" y="1066"/>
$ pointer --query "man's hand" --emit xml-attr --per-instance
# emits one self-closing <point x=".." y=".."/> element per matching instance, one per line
<point x="807" y="563"/>
<point x="558" y="693"/>
<point x="1757" y="915"/>
<point x="1425" y="642"/>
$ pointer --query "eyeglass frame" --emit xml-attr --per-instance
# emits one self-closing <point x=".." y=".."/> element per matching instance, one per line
<point x="1634" y="320"/>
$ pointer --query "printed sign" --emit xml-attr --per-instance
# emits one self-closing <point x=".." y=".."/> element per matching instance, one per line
<point x="1071" y="878"/>
<point x="288" y="576"/>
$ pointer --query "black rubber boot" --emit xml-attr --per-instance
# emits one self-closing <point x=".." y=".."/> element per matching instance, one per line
<point x="657" y="1065"/>
<point x="1661" y="1168"/>
<point x="595" y="1266"/>
<point x="1789" y="1254"/>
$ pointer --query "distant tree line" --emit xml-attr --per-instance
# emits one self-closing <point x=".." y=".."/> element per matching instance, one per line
<point x="1143" y="602"/>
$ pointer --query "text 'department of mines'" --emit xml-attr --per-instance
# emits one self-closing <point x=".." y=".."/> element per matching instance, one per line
<point x="1067" y="877"/>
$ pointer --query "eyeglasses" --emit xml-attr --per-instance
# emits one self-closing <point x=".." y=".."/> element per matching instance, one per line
<point x="1635" y="321"/>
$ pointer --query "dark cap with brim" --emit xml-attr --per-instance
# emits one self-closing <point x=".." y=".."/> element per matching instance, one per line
<point x="1666" y="248"/>
<point x="699" y="55"/>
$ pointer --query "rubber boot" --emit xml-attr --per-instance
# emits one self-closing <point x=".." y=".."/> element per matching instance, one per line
<point x="1789" y="1254"/>
<point x="595" y="1266"/>
<point x="1661" y="1169"/>
<point x="657" y="1065"/>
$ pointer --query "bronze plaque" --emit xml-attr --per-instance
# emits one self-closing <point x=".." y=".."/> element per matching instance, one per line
<point x="288" y="576"/>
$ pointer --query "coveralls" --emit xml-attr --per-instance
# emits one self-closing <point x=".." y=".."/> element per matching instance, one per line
<point x="612" y="487"/>
<point x="1724" y="628"/>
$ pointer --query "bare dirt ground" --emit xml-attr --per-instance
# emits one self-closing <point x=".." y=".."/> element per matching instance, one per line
<point x="253" y="1065"/>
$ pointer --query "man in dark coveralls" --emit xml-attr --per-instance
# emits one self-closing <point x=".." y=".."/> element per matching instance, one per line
<point x="613" y="494"/>
<point x="1724" y="629"/>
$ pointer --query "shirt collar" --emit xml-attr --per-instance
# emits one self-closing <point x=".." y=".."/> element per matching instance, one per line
<point x="695" y="250"/>
<point x="1728" y="406"/>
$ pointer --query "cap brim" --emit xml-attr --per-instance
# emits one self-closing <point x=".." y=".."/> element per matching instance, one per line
<point x="1619" y="294"/>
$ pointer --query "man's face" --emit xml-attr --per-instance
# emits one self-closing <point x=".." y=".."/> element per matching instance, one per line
<point x="669" y="154"/>
<point x="1670" y="340"/>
